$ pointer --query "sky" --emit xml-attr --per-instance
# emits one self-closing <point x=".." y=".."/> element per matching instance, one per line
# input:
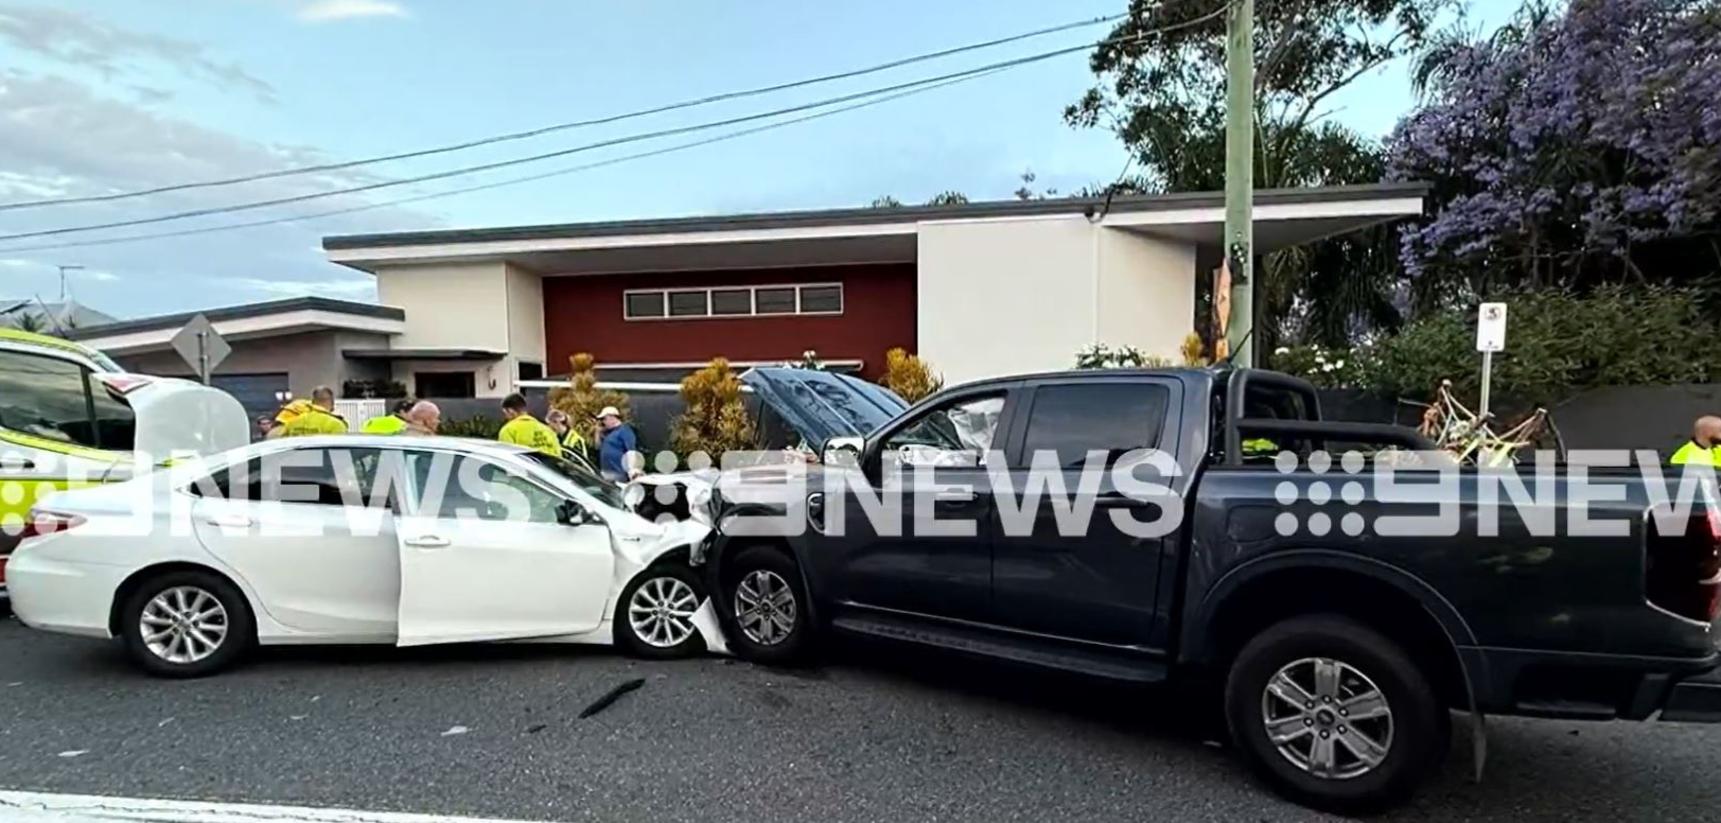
<point x="103" y="96"/>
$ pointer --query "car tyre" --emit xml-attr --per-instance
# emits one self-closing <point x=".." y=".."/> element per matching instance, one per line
<point x="654" y="615"/>
<point x="765" y="611"/>
<point x="208" y="623"/>
<point x="1328" y="756"/>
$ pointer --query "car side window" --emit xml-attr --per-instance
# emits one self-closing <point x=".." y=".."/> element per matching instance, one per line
<point x="52" y="398"/>
<point x="1114" y="418"/>
<point x="957" y="433"/>
<point x="330" y="477"/>
<point x="456" y="487"/>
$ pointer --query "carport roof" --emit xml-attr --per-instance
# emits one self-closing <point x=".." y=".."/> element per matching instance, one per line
<point x="1123" y="204"/>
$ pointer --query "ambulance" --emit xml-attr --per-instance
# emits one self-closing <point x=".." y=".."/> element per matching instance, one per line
<point x="70" y="417"/>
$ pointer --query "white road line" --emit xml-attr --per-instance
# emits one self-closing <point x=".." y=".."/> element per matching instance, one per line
<point x="85" y="808"/>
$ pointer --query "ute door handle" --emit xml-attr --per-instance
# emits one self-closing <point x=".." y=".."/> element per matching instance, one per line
<point x="953" y="497"/>
<point x="429" y="541"/>
<point x="228" y="521"/>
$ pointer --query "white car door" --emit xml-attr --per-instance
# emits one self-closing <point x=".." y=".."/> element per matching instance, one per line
<point x="484" y="555"/>
<point x="301" y="527"/>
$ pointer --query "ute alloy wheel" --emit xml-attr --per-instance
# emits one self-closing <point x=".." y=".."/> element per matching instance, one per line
<point x="764" y="607"/>
<point x="654" y="616"/>
<point x="1327" y="718"/>
<point x="185" y="624"/>
<point x="1333" y="714"/>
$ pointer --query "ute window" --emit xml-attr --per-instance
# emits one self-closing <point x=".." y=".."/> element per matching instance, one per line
<point x="1115" y="418"/>
<point x="956" y="433"/>
<point x="57" y="399"/>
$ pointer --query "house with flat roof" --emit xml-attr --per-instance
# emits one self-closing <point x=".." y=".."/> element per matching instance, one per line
<point x="280" y="347"/>
<point x="978" y="289"/>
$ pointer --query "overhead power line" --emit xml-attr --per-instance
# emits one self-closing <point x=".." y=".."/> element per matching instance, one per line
<point x="634" y="138"/>
<point x="577" y="124"/>
<point x="512" y="181"/>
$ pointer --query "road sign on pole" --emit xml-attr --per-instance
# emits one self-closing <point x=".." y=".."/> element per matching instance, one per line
<point x="201" y="346"/>
<point x="1490" y="338"/>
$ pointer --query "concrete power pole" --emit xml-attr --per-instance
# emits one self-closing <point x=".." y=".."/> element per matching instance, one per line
<point x="1240" y="177"/>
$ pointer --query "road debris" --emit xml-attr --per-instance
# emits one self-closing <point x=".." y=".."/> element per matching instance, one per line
<point x="454" y="730"/>
<point x="611" y="696"/>
<point x="74" y="753"/>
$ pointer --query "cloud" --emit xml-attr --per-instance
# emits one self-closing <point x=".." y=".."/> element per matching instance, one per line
<point x="77" y="40"/>
<point x="356" y="287"/>
<point x="323" y="11"/>
<point x="123" y="145"/>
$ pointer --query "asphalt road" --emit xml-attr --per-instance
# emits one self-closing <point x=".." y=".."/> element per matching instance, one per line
<point x="876" y="734"/>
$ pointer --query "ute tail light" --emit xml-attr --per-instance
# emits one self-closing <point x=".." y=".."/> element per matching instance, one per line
<point x="1684" y="571"/>
<point x="44" y="523"/>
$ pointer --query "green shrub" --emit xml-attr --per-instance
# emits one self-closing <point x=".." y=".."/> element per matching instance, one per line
<point x="1557" y="345"/>
<point x="1326" y="368"/>
<point x="478" y="426"/>
<point x="715" y="420"/>
<point x="581" y="399"/>
<point x="1101" y="356"/>
<point x="909" y="376"/>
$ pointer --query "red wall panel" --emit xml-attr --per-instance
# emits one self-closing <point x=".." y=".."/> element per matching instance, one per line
<point x="583" y="313"/>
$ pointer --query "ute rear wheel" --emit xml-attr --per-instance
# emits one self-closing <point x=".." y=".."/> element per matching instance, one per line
<point x="1333" y="714"/>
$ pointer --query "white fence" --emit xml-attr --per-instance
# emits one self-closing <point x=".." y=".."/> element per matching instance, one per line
<point x="356" y="412"/>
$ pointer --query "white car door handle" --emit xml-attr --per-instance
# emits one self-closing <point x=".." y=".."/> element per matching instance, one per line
<point x="429" y="541"/>
<point x="228" y="521"/>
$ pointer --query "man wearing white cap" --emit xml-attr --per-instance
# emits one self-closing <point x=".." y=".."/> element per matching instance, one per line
<point x="616" y="439"/>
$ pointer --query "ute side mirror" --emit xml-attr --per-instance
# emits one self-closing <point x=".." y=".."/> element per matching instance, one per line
<point x="570" y="513"/>
<point x="843" y="451"/>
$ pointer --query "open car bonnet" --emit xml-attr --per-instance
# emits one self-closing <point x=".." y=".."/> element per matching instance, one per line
<point x="820" y="405"/>
<point x="178" y="417"/>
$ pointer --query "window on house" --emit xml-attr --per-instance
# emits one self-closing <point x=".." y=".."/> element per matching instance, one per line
<point x="689" y="304"/>
<point x="774" y="301"/>
<point x="446" y="384"/>
<point x="821" y="299"/>
<point x="644" y="304"/>
<point x="731" y="301"/>
<point x="734" y="301"/>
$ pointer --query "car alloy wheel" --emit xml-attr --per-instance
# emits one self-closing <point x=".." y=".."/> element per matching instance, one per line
<point x="661" y="612"/>
<point x="183" y="624"/>
<point x="765" y="607"/>
<point x="1327" y="718"/>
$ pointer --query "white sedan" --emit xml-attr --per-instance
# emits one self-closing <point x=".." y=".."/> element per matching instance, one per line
<point x="359" y="539"/>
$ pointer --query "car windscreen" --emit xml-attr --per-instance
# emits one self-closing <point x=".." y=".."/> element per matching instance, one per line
<point x="606" y="492"/>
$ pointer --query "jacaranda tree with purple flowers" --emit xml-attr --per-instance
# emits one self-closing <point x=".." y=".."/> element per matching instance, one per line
<point x="1583" y="150"/>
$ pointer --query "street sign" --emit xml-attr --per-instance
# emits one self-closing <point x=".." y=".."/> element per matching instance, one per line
<point x="1491" y="327"/>
<point x="201" y="346"/>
